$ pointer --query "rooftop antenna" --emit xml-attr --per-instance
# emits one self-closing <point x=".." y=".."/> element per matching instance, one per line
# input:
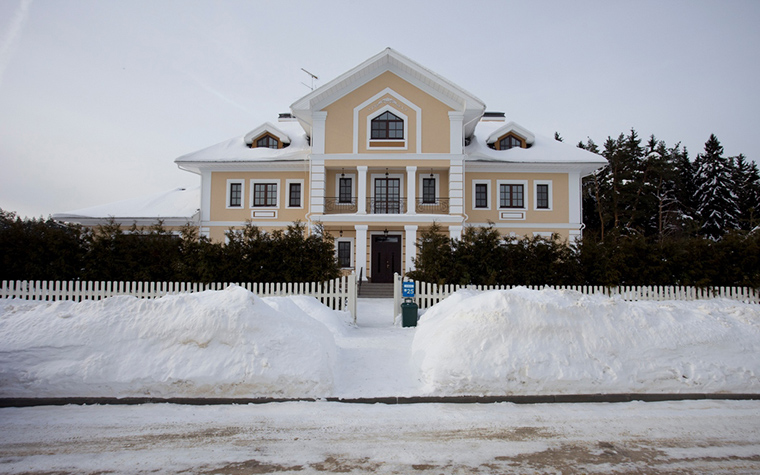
<point x="313" y="77"/>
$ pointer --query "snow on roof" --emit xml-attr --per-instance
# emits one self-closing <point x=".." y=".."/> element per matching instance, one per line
<point x="175" y="207"/>
<point x="237" y="150"/>
<point x="543" y="150"/>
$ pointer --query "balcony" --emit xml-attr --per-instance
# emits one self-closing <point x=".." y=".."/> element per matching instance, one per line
<point x="334" y="205"/>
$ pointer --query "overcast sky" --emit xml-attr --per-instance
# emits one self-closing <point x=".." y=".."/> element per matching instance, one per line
<point x="97" y="98"/>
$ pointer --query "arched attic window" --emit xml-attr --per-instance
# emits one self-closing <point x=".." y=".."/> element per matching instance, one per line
<point x="508" y="141"/>
<point x="267" y="141"/>
<point x="388" y="126"/>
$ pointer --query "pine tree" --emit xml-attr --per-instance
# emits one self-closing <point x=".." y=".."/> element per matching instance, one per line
<point x="747" y="179"/>
<point x="717" y="203"/>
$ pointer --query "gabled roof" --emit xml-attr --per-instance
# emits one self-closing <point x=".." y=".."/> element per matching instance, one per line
<point x="545" y="151"/>
<point x="236" y="150"/>
<point x="516" y="129"/>
<point x="266" y="127"/>
<point x="409" y="70"/>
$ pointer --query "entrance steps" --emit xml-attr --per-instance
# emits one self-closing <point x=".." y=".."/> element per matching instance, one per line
<point x="373" y="290"/>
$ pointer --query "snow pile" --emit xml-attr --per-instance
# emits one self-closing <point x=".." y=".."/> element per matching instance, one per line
<point x="561" y="342"/>
<point x="227" y="343"/>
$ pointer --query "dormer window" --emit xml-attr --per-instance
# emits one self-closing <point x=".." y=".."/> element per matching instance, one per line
<point x="387" y="126"/>
<point x="510" y="141"/>
<point x="267" y="141"/>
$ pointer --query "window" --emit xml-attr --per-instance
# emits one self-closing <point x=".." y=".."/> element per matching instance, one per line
<point x="481" y="195"/>
<point x="511" y="196"/>
<point x="344" y="253"/>
<point x="345" y="190"/>
<point x="236" y="195"/>
<point x="267" y="141"/>
<point x="428" y="190"/>
<point x="542" y="196"/>
<point x="508" y="142"/>
<point x="294" y="195"/>
<point x="265" y="194"/>
<point x="387" y="126"/>
<point x="235" y="192"/>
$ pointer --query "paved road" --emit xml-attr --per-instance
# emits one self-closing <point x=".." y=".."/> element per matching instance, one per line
<point x="321" y="437"/>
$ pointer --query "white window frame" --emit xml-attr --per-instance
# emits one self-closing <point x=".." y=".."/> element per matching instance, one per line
<point x="526" y="199"/>
<point x="351" y="241"/>
<point x="338" y="176"/>
<point x="535" y="195"/>
<point x="420" y="181"/>
<point x="488" y="194"/>
<point x="398" y="114"/>
<point x="287" y="192"/>
<point x="262" y="181"/>
<point x="230" y="182"/>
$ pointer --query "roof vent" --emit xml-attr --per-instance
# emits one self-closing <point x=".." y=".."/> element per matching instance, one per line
<point x="286" y="117"/>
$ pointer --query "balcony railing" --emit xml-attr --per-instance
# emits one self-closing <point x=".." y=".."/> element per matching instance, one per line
<point x="386" y="206"/>
<point x="338" y="206"/>
<point x="434" y="206"/>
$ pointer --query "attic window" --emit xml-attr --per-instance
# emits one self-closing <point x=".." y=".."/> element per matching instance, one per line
<point x="267" y="141"/>
<point x="510" y="141"/>
<point x="387" y="126"/>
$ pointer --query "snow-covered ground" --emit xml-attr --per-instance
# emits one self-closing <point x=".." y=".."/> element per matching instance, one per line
<point x="215" y="342"/>
<point x="232" y="343"/>
<point x="319" y="437"/>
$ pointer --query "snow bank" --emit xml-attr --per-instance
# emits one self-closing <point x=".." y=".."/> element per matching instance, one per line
<point x="226" y="343"/>
<point x="546" y="342"/>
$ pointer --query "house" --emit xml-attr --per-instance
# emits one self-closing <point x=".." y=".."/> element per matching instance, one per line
<point x="382" y="152"/>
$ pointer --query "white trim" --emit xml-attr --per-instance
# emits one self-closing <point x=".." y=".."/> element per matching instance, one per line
<point x="265" y="128"/>
<point x="368" y="133"/>
<point x="289" y="182"/>
<point x="373" y="176"/>
<point x="535" y="195"/>
<point x="235" y="181"/>
<point x="263" y="213"/>
<point x="524" y="183"/>
<point x="436" y="177"/>
<point x="508" y="215"/>
<point x="338" y="176"/>
<point x="261" y="181"/>
<point x="488" y="194"/>
<point x="351" y="253"/>
<point x="515" y="129"/>
<point x="397" y="113"/>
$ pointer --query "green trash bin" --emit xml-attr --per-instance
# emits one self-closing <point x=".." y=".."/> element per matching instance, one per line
<point x="409" y="313"/>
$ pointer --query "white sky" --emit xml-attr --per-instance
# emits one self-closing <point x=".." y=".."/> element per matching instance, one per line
<point x="98" y="98"/>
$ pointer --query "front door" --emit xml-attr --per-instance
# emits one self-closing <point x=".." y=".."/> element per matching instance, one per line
<point x="386" y="257"/>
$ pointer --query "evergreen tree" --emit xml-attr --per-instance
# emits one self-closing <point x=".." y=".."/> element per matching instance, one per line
<point x="717" y="203"/>
<point x="747" y="179"/>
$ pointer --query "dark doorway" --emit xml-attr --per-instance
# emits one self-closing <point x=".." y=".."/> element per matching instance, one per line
<point x="386" y="257"/>
<point x="387" y="196"/>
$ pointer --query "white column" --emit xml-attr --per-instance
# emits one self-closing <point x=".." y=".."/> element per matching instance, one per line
<point x="411" y="246"/>
<point x="318" y="131"/>
<point x="361" y="249"/>
<point x="456" y="132"/>
<point x="411" y="190"/>
<point x="456" y="185"/>
<point x="575" y="203"/>
<point x="361" y="186"/>
<point x="455" y="232"/>
<point x="317" y="186"/>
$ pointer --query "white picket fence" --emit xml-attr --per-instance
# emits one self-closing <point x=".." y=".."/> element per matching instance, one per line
<point x="428" y="294"/>
<point x="338" y="294"/>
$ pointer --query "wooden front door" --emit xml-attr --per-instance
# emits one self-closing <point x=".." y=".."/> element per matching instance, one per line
<point x="386" y="257"/>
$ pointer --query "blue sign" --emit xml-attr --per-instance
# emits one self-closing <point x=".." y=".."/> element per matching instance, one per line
<point x="407" y="289"/>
